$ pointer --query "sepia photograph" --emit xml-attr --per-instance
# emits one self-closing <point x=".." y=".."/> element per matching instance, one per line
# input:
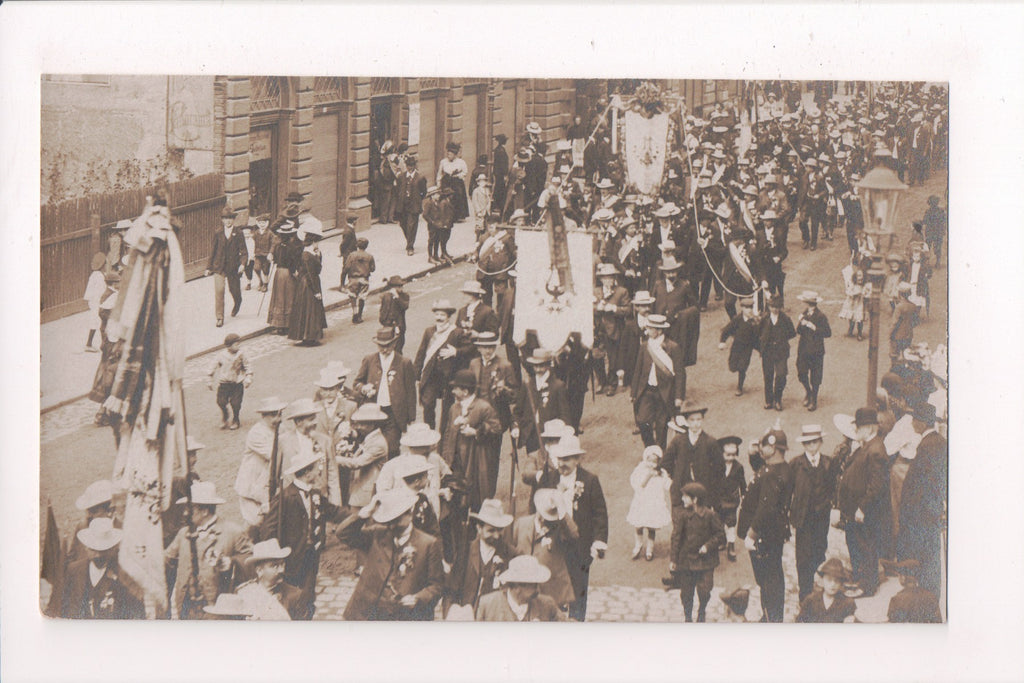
<point x="517" y="349"/>
<point x="613" y="318"/>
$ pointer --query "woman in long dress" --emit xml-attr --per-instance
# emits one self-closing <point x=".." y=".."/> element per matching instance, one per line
<point x="451" y="173"/>
<point x="287" y="254"/>
<point x="308" y="319"/>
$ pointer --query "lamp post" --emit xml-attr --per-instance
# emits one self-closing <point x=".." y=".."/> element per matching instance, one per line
<point x="879" y="192"/>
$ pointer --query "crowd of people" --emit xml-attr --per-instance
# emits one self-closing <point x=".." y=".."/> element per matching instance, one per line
<point x="400" y="457"/>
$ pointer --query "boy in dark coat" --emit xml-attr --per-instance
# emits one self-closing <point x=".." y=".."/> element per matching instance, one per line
<point x="697" y="536"/>
<point x="745" y="331"/>
<point x="394" y="302"/>
<point x="355" y="277"/>
<point x="734" y="487"/>
<point x="828" y="605"/>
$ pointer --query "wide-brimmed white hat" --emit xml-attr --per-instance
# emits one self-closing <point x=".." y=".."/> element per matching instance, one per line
<point x="302" y="458"/>
<point x="409" y="465"/>
<point x="443" y="305"/>
<point x="271" y="404"/>
<point x="845" y="424"/>
<point x="548" y="503"/>
<point x="393" y="504"/>
<point x="100" y="535"/>
<point x="230" y="605"/>
<point x="269" y="550"/>
<point x="492" y="512"/>
<point x="643" y="298"/>
<point x="472" y="287"/>
<point x="96" y="493"/>
<point x="533" y="127"/>
<point x="667" y="209"/>
<point x="568" y="445"/>
<point x="419" y="435"/>
<point x="329" y="379"/>
<point x="554" y="429"/>
<point x="809" y="297"/>
<point x="525" y="569"/>
<point x="369" y="412"/>
<point x="203" y="493"/>
<point x="304" y="407"/>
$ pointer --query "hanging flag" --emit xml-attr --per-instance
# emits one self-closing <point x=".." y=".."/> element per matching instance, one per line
<point x="645" y="149"/>
<point x="147" y="394"/>
<point x="52" y="566"/>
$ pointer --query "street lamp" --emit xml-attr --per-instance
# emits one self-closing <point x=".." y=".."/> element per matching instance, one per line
<point x="879" y="192"/>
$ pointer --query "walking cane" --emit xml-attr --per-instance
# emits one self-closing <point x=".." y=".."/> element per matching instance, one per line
<point x="263" y="295"/>
<point x="512" y="477"/>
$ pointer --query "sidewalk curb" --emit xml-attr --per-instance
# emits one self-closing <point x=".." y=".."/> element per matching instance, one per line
<point x="266" y="329"/>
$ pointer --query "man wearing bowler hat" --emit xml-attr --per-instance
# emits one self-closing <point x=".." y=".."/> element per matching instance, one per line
<point x="402" y="577"/>
<point x="520" y="598"/>
<point x="92" y="588"/>
<point x="814" y="484"/>
<point x="220" y="546"/>
<point x="864" y="502"/>
<point x="443" y="350"/>
<point x="227" y="259"/>
<point x="769" y="525"/>
<point x="411" y="191"/>
<point x="659" y="382"/>
<point x="775" y="334"/>
<point x="813" y="329"/>
<point x="388" y="379"/>
<point x="467" y="441"/>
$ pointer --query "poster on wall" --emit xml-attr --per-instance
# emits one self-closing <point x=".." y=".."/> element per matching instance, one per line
<point x="190" y="112"/>
<point x="414" y="124"/>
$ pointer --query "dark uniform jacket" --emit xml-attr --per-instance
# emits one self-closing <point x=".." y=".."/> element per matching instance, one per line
<point x="770" y="522"/>
<point x="701" y="462"/>
<point x="775" y="337"/>
<point x="812" y="342"/>
<point x="109" y="599"/>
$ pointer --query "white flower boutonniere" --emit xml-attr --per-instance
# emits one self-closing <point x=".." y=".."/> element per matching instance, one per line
<point x="407" y="560"/>
<point x="577" y="493"/>
<point x="107" y="603"/>
<point x="546" y="542"/>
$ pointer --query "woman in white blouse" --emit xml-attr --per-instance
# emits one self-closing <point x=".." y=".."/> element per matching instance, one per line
<point x="452" y="173"/>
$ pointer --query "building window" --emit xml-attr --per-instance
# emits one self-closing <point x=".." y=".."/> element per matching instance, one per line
<point x="383" y="86"/>
<point x="328" y="89"/>
<point x="85" y="79"/>
<point x="266" y="93"/>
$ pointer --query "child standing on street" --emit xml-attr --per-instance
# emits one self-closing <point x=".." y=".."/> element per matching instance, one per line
<point x="263" y="241"/>
<point x="94" y="290"/>
<point x="649" y="509"/>
<point x="232" y="373"/>
<point x="734" y="487"/>
<point x="355" y="277"/>
<point x="696" y="539"/>
<point x="853" y="306"/>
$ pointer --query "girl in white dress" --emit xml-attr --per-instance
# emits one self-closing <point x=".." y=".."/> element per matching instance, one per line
<point x="649" y="509"/>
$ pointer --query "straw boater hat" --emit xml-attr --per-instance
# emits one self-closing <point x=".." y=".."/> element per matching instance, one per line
<point x="533" y="127"/>
<point x="269" y="550"/>
<point x="809" y="297"/>
<point x="473" y="287"/>
<point x="96" y="493"/>
<point x="230" y="605"/>
<point x="643" y="298"/>
<point x="524" y="569"/>
<point x="541" y="356"/>
<point x="568" y="445"/>
<point x="203" y="493"/>
<point x="606" y="270"/>
<point x="369" y="412"/>
<point x="393" y="504"/>
<point x="485" y="339"/>
<point x="810" y="433"/>
<point x="548" y="503"/>
<point x="443" y="305"/>
<point x="419" y="435"/>
<point x="493" y="513"/>
<point x="657" y="321"/>
<point x="304" y="407"/>
<point x="271" y="404"/>
<point x="100" y="535"/>
<point x="667" y="209"/>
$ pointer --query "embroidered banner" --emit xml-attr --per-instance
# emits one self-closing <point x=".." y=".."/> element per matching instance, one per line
<point x="645" y="149"/>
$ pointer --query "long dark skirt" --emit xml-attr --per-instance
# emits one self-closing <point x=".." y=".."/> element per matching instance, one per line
<point x="460" y="200"/>
<point x="308" y="319"/>
<point x="281" y="297"/>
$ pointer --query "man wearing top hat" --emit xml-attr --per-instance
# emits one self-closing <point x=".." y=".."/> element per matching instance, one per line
<point x="693" y="455"/>
<point x="864" y="502"/>
<point x="769" y="524"/>
<point x="814" y="484"/>
<point x="269" y="596"/>
<point x="922" y="510"/>
<point x="252" y="482"/>
<point x="659" y="382"/>
<point x="581" y="498"/>
<point x="411" y="190"/>
<point x="227" y="259"/>
<point x="520" y="598"/>
<point x="220" y="546"/>
<point x="388" y="379"/>
<point x="476" y="316"/>
<point x="442" y="351"/>
<point x="488" y="555"/>
<point x="813" y="328"/>
<point x="92" y="588"/>
<point x="402" y="577"/>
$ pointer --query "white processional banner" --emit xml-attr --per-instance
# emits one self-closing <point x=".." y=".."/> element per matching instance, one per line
<point x="545" y="302"/>
<point x="645" y="149"/>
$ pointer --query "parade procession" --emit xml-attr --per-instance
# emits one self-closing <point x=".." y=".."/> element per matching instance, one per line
<point x="671" y="353"/>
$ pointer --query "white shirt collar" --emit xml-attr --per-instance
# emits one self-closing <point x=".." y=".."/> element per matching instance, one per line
<point x="404" y="538"/>
<point x="486" y="552"/>
<point x="517" y="609"/>
<point x="96" y="573"/>
<point x="813" y="459"/>
<point x="301" y="485"/>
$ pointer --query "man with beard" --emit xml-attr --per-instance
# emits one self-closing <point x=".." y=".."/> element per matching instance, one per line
<point x="92" y="589"/>
<point x="437" y="360"/>
<point x="488" y="555"/>
<point x="268" y="595"/>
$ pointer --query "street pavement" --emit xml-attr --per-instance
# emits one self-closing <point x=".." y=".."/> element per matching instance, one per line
<point x="74" y="453"/>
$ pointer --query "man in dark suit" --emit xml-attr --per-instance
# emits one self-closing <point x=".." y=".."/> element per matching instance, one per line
<point x="533" y="183"/>
<point x="227" y="259"/>
<point x="776" y="331"/>
<point x="388" y="379"/>
<point x="610" y="311"/>
<point x="488" y="555"/>
<point x="393" y="304"/>
<point x="693" y="455"/>
<point x="442" y="351"/>
<point x="659" y="382"/>
<point x="584" y="502"/>
<point x="771" y="251"/>
<point x="500" y="170"/>
<point x="813" y="328"/>
<point x="467" y="441"/>
<point x="92" y="589"/>
<point x="298" y="518"/>
<point x="864" y="502"/>
<point x="542" y="397"/>
<point x="402" y="577"/>
<point x="769" y="523"/>
<point x="923" y="501"/>
<point x="496" y="383"/>
<point x="476" y="316"/>
<point x="814" y="484"/>
<point x="412" y="189"/>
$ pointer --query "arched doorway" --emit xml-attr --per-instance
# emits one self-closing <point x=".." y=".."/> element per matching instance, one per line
<point x="268" y="142"/>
